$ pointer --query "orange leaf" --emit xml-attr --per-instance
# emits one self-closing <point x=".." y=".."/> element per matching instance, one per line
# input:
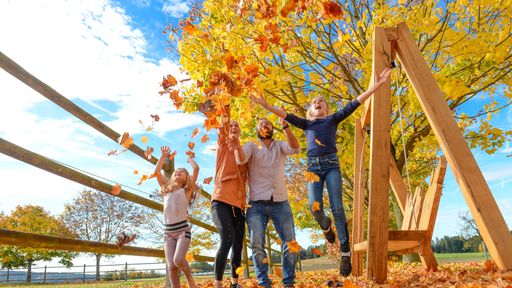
<point x="144" y="139"/>
<point x="189" y="257"/>
<point x="316" y="206"/>
<point x="191" y="145"/>
<point x="252" y="70"/>
<point x="265" y="260"/>
<point x="278" y="272"/>
<point x="116" y="189"/>
<point x="125" y="140"/>
<point x="123" y="239"/>
<point x="149" y="128"/>
<point x="171" y="156"/>
<point x="189" y="28"/>
<point x="142" y="179"/>
<point x="207" y="180"/>
<point x="319" y="143"/>
<point x="190" y="154"/>
<point x="148" y="152"/>
<point x="168" y="82"/>
<point x="135" y="172"/>
<point x="152" y="175"/>
<point x="240" y="269"/>
<point x="263" y="132"/>
<point x="316" y="251"/>
<point x="194" y="133"/>
<point x="311" y="177"/>
<point x="332" y="9"/>
<point x="211" y="123"/>
<point x="293" y="246"/>
<point x="288" y="7"/>
<point x="263" y="41"/>
<point x="112" y="152"/>
<point x="204" y="138"/>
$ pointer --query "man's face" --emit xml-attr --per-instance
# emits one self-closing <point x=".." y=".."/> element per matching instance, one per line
<point x="265" y="129"/>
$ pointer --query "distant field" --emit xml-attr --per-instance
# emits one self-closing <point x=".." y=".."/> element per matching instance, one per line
<point x="142" y="283"/>
<point x="459" y="257"/>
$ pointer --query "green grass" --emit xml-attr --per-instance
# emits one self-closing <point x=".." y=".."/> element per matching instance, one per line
<point x="110" y="284"/>
<point x="459" y="257"/>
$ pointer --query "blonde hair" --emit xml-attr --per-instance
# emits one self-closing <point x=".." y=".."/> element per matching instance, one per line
<point x="309" y="112"/>
<point x="170" y="183"/>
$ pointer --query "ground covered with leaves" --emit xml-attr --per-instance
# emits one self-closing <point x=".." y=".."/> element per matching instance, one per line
<point x="472" y="274"/>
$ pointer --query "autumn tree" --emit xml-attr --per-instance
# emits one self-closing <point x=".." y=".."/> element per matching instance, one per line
<point x="33" y="219"/>
<point x="97" y="216"/>
<point x="294" y="50"/>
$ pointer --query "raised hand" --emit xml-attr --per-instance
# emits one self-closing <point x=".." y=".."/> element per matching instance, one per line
<point x="166" y="151"/>
<point x="259" y="99"/>
<point x="192" y="162"/>
<point x="282" y="122"/>
<point x="384" y="75"/>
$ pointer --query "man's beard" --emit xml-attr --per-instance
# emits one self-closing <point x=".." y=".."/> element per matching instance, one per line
<point x="268" y="134"/>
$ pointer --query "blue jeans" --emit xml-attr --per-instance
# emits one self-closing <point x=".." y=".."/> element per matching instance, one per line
<point x="257" y="220"/>
<point x="328" y="169"/>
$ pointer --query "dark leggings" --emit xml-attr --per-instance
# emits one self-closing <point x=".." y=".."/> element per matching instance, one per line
<point x="231" y="224"/>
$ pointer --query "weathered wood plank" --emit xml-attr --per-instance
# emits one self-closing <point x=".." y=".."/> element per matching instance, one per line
<point x="477" y="194"/>
<point x="378" y="207"/>
<point x="359" y="189"/>
<point x="397" y="184"/>
<point x="393" y="245"/>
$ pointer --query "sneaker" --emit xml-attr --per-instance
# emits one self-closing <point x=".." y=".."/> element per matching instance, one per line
<point x="330" y="236"/>
<point x="346" y="265"/>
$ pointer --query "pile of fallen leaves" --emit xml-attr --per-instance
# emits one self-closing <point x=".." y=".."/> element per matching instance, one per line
<point x="471" y="274"/>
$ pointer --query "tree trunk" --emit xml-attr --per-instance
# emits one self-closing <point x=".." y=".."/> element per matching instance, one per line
<point x="98" y="257"/>
<point x="29" y="271"/>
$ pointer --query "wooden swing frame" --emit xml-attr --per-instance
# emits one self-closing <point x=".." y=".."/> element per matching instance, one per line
<point x="383" y="172"/>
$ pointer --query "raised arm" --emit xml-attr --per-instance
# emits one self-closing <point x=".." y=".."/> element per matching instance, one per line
<point x="383" y="77"/>
<point x="193" y="178"/>
<point x="158" y="168"/>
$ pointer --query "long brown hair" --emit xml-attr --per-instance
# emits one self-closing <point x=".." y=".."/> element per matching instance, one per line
<point x="170" y="183"/>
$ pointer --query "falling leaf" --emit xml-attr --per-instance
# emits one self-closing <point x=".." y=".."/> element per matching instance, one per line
<point x="247" y="206"/>
<point x="293" y="246"/>
<point x="152" y="175"/>
<point x="189" y="257"/>
<point x="112" y="152"/>
<point x="149" y="128"/>
<point x="171" y="156"/>
<point x="211" y="123"/>
<point x="311" y="177"/>
<point x="316" y="251"/>
<point x="240" y="269"/>
<point x="265" y="260"/>
<point x="316" y="206"/>
<point x="144" y="139"/>
<point x="155" y="117"/>
<point x="148" y="152"/>
<point x="123" y="239"/>
<point x="194" y="133"/>
<point x="116" y="189"/>
<point x="204" y="138"/>
<point x="142" y="179"/>
<point x="263" y="132"/>
<point x="191" y="145"/>
<point x="319" y="143"/>
<point x="135" y="172"/>
<point x="190" y="154"/>
<point x="125" y="140"/>
<point x="140" y="122"/>
<point x="176" y="99"/>
<point x="278" y="272"/>
<point x="207" y="180"/>
<point x="168" y="82"/>
<point x="189" y="28"/>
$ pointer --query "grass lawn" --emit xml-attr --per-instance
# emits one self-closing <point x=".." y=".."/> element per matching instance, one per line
<point x="113" y="284"/>
<point x="459" y="257"/>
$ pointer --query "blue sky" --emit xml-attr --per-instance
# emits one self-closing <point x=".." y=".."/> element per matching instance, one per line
<point x="108" y="58"/>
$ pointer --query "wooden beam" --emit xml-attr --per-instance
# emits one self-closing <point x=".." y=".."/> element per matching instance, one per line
<point x="477" y="194"/>
<point x="38" y="241"/>
<point x="409" y="235"/>
<point x="397" y="184"/>
<point x="359" y="191"/>
<point x="393" y="245"/>
<point x="46" y="164"/>
<point x="378" y="208"/>
<point x="411" y="219"/>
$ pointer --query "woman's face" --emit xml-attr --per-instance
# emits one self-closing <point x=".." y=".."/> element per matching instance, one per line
<point x="234" y="129"/>
<point x="318" y="107"/>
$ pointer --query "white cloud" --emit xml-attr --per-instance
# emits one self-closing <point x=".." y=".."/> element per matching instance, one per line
<point x="175" y="8"/>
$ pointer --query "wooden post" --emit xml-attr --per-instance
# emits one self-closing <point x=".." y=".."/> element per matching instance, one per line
<point x="44" y="275"/>
<point x="397" y="184"/>
<point x="378" y="207"/>
<point x="359" y="187"/>
<point x="477" y="194"/>
<point x="83" y="275"/>
<point x="8" y="272"/>
<point x="125" y="271"/>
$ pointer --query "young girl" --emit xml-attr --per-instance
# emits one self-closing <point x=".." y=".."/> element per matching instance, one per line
<point x="320" y="127"/>
<point x="177" y="193"/>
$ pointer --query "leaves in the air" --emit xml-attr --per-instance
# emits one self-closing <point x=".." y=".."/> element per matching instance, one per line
<point x="316" y="251"/>
<point x="143" y="178"/>
<point x="116" y="189"/>
<point x="204" y="138"/>
<point x="191" y="145"/>
<point x="316" y="206"/>
<point x="319" y="143"/>
<point x="144" y="139"/>
<point x="112" y="152"/>
<point x="293" y="246"/>
<point x="240" y="269"/>
<point x="155" y="117"/>
<point x="207" y="180"/>
<point x="123" y="239"/>
<point x="195" y="132"/>
<point x="311" y="177"/>
<point x="168" y="82"/>
<point x="190" y="154"/>
<point x="125" y="140"/>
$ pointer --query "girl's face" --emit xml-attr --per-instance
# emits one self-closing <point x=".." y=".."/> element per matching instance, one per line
<point x="318" y="107"/>
<point x="180" y="177"/>
<point x="234" y="129"/>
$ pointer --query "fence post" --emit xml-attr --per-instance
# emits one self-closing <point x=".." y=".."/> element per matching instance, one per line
<point x="83" y="276"/>
<point x="125" y="271"/>
<point x="8" y="270"/>
<point x="269" y="254"/>
<point x="44" y="277"/>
